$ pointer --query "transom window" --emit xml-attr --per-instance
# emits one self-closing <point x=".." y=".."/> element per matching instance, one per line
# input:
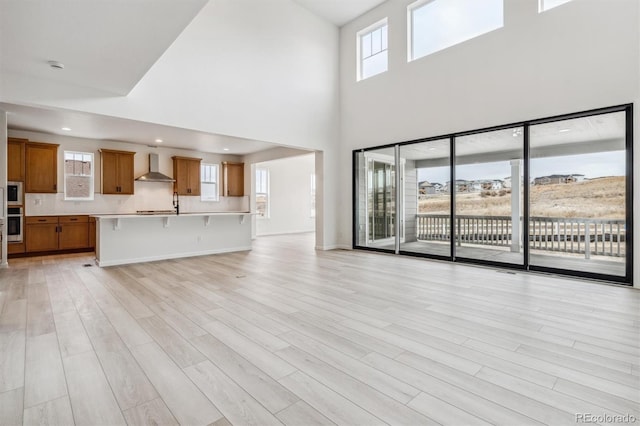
<point x="438" y="24"/>
<point x="372" y="50"/>
<point x="544" y="5"/>
<point x="209" y="182"/>
<point x="78" y="175"/>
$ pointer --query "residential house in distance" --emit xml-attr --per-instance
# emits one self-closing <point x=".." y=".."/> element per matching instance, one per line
<point x="556" y="179"/>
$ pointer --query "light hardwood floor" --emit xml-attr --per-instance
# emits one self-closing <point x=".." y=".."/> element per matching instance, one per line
<point x="287" y="335"/>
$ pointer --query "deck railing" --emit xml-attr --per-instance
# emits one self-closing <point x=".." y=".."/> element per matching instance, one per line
<point x="601" y="237"/>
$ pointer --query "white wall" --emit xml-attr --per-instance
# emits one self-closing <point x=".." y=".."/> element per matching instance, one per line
<point x="147" y="195"/>
<point x="579" y="56"/>
<point x="289" y="196"/>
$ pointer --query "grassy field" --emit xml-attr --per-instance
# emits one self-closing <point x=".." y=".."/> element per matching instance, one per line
<point x="601" y="198"/>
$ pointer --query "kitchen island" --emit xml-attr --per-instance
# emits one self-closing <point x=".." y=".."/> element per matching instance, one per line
<point x="134" y="238"/>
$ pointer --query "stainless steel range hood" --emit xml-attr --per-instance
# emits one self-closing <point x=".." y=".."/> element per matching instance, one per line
<point x="154" y="175"/>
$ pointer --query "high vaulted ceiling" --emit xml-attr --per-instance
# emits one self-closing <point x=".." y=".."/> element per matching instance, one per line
<point x="108" y="46"/>
<point x="105" y="45"/>
<point x="339" y="12"/>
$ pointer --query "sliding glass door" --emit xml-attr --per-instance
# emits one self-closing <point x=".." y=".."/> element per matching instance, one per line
<point x="427" y="199"/>
<point x="578" y="195"/>
<point x="549" y="195"/>
<point x="488" y="196"/>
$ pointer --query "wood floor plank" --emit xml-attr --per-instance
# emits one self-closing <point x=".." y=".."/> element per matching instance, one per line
<point x="598" y="397"/>
<point x="233" y="401"/>
<point x="473" y="403"/>
<point x="383" y="407"/>
<point x="550" y="397"/>
<point x="177" y="347"/>
<point x="12" y="355"/>
<point x="152" y="413"/>
<point x="186" y="402"/>
<point x="623" y="391"/>
<point x="443" y="412"/>
<point x="72" y="337"/>
<point x="263" y="388"/>
<point x="306" y="326"/>
<point x="14" y="316"/>
<point x="446" y="358"/>
<point x="258" y="335"/>
<point x="39" y="315"/>
<point x="251" y="351"/>
<point x="328" y="402"/>
<point x="44" y="375"/>
<point x="128" y="382"/>
<point x="302" y="413"/>
<point x="131" y="333"/>
<point x="179" y="322"/>
<point x="257" y="319"/>
<point x="378" y="380"/>
<point x="92" y="400"/>
<point x="53" y="413"/>
<point x="11" y="407"/>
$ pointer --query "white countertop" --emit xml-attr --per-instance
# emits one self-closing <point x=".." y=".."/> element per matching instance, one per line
<point x="136" y="215"/>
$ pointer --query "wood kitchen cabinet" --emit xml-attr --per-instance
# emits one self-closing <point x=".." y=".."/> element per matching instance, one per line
<point x="92" y="232"/>
<point x="54" y="233"/>
<point x="41" y="167"/>
<point x="15" y="159"/>
<point x="117" y="172"/>
<point x="232" y="179"/>
<point x="186" y="172"/>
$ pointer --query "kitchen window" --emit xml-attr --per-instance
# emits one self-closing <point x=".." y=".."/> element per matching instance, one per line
<point x="78" y="175"/>
<point x="209" y="182"/>
<point x="372" y="50"/>
<point x="262" y="193"/>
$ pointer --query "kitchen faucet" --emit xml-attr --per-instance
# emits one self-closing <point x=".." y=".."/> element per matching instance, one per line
<point x="176" y="202"/>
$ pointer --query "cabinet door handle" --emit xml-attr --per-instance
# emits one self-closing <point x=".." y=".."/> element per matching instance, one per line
<point x="73" y="219"/>
<point x="60" y="227"/>
<point x="55" y="187"/>
<point x="42" y="220"/>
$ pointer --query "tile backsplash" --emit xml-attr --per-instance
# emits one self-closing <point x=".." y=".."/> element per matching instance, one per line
<point x="148" y="196"/>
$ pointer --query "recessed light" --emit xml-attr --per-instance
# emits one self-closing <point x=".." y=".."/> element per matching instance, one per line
<point x="158" y="140"/>
<point x="55" y="64"/>
<point x="66" y="129"/>
<point x="225" y="149"/>
<point x="564" y="130"/>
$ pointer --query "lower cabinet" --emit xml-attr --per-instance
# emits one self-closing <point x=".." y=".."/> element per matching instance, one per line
<point x="53" y="233"/>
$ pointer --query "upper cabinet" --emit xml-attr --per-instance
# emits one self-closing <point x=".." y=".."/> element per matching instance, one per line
<point x="41" y="167"/>
<point x="233" y="179"/>
<point x="186" y="172"/>
<point x="117" y="172"/>
<point x="15" y="159"/>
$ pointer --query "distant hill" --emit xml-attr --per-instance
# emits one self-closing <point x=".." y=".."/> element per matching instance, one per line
<point x="601" y="198"/>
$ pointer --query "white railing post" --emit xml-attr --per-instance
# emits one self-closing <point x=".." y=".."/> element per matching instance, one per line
<point x="587" y="240"/>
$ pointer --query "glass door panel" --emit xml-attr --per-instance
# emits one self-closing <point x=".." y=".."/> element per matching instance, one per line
<point x="488" y="196"/>
<point x="376" y="199"/>
<point x="426" y="201"/>
<point x="577" y="195"/>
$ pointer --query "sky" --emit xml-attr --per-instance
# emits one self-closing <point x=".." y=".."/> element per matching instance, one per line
<point x="590" y="165"/>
